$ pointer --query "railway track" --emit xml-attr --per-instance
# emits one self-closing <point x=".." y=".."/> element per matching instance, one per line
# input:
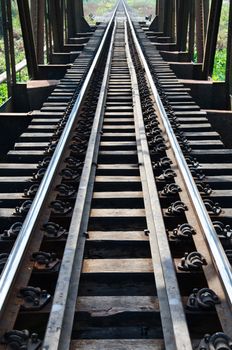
<point x="111" y="245"/>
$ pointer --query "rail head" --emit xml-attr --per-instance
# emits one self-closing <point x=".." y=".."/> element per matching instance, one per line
<point x="218" y="255"/>
<point x="15" y="258"/>
<point x="175" y="330"/>
<point x="60" y="322"/>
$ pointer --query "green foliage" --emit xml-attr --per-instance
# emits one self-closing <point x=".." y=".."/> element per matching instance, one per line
<point x="19" y="52"/>
<point x="219" y="65"/>
<point x="2" y="57"/>
<point x="100" y="7"/>
<point x="223" y="29"/>
<point x="95" y="8"/>
<point x="144" y="8"/>
<point x="3" y="93"/>
<point x="22" y="76"/>
<point x="220" y="57"/>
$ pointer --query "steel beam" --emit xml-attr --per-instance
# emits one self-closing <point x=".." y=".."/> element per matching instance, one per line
<point x="199" y="30"/>
<point x="154" y="26"/>
<point x="229" y="59"/>
<point x="169" y="18"/>
<point x="28" y="39"/>
<point x="161" y="6"/>
<point x="183" y="11"/>
<point x="191" y="38"/>
<point x="56" y="16"/>
<point x="48" y="31"/>
<point x="8" y="45"/>
<point x="70" y="19"/>
<point x="38" y="14"/>
<point x="75" y="18"/>
<point x="211" y="38"/>
<point x="206" y="16"/>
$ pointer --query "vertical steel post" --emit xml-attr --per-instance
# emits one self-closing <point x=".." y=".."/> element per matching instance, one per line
<point x="65" y="21"/>
<point x="71" y="18"/>
<point x="182" y="24"/>
<point x="161" y="6"/>
<point x="211" y="38"/>
<point x="76" y="20"/>
<point x="199" y="30"/>
<point x="48" y="31"/>
<point x="57" y="24"/>
<point x="191" y="38"/>
<point x="206" y="16"/>
<point x="8" y="45"/>
<point x="28" y="39"/>
<point x="229" y="59"/>
<point x="169" y="18"/>
<point x="37" y="15"/>
<point x="157" y="7"/>
<point x="11" y="43"/>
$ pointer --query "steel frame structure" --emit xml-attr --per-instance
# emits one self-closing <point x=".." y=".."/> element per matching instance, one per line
<point x="192" y="25"/>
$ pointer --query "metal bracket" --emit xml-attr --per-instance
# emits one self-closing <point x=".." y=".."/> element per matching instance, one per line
<point x="60" y="207"/>
<point x="203" y="299"/>
<point x="45" y="262"/>
<point x="183" y="231"/>
<point x="216" y="341"/>
<point x="13" y="231"/>
<point x="53" y="230"/>
<point x="24" y="208"/>
<point x="3" y="260"/>
<point x="21" y="340"/>
<point x="171" y="189"/>
<point x="192" y="262"/>
<point x="177" y="208"/>
<point x="34" y="298"/>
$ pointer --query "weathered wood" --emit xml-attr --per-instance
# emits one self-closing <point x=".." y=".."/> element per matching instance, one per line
<point x="98" y="213"/>
<point x="105" y="306"/>
<point x="117" y="266"/>
<point x="14" y="179"/>
<point x="117" y="236"/>
<point x="118" y="166"/>
<point x="124" y="194"/>
<point x="115" y="344"/>
<point x="117" y="179"/>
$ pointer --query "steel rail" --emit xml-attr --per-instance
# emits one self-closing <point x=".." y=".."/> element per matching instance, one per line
<point x="174" y="324"/>
<point x="60" y="323"/>
<point x="217" y="252"/>
<point x="10" y="270"/>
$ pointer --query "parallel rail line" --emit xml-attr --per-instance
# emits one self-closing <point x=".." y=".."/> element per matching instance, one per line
<point x="117" y="241"/>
